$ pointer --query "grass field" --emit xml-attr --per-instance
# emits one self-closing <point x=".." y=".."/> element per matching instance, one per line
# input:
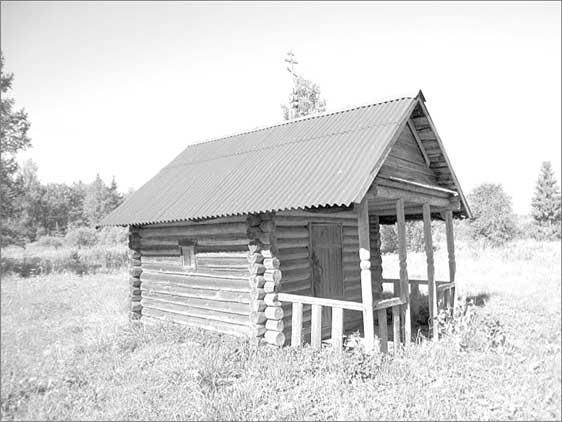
<point x="68" y="352"/>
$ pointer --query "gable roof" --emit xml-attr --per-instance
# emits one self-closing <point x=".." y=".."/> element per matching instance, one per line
<point x="320" y="160"/>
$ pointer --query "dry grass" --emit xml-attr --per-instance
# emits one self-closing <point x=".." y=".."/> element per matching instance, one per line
<point x="68" y="352"/>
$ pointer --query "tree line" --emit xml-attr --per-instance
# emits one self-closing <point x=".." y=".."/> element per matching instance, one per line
<point x="30" y="209"/>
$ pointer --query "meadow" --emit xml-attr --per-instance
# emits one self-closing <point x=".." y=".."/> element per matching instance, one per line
<point x="69" y="352"/>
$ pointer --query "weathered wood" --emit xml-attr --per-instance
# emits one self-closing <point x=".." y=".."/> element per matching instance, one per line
<point x="257" y="269"/>
<point x="271" y="263"/>
<point x="316" y="327"/>
<point x="274" y="337"/>
<point x="296" y="324"/>
<point x="320" y="301"/>
<point x="396" y="328"/>
<point x="272" y="276"/>
<point x="256" y="293"/>
<point x="166" y="305"/>
<point x="255" y="258"/>
<point x="376" y="256"/>
<point x="212" y="325"/>
<point x="451" y="253"/>
<point x="238" y="228"/>
<point x="404" y="285"/>
<point x="273" y="325"/>
<point x="271" y="299"/>
<point x="290" y="232"/>
<point x="270" y="287"/>
<point x="292" y="254"/>
<point x="444" y="286"/>
<point x="388" y="303"/>
<point x="419" y="142"/>
<point x="257" y="330"/>
<point x="337" y="329"/>
<point x="257" y="305"/>
<point x="274" y="312"/>
<point x="383" y="330"/>
<point x="240" y="308"/>
<point x="432" y="288"/>
<point x="257" y="317"/>
<point x="198" y="280"/>
<point x="267" y="226"/>
<point x="366" y="287"/>
<point x="256" y="281"/>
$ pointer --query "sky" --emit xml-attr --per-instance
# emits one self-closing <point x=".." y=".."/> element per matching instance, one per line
<point x="121" y="88"/>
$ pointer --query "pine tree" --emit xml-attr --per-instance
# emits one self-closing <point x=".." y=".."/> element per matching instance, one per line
<point x="546" y="203"/>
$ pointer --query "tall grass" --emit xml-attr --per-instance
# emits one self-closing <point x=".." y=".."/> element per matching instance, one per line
<point x="69" y="352"/>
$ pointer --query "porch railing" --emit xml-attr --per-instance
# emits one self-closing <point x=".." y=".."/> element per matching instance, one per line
<point x="445" y="290"/>
<point x="338" y="306"/>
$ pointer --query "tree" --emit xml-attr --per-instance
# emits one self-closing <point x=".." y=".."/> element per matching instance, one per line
<point x="13" y="138"/>
<point x="305" y="98"/>
<point x="546" y="203"/>
<point x="100" y="200"/>
<point x="493" y="219"/>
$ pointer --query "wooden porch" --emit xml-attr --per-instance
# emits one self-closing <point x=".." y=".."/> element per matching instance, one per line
<point x="389" y="199"/>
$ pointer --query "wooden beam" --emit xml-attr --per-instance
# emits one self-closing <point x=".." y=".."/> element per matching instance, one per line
<point x="383" y="330"/>
<point x="337" y="329"/>
<point x="296" y="325"/>
<point x="316" y="327"/>
<point x="451" y="252"/>
<point x="366" y="287"/>
<point x="418" y="141"/>
<point x="432" y="288"/>
<point x="396" y="328"/>
<point x="404" y="285"/>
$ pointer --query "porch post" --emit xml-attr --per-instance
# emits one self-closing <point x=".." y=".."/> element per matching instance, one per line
<point x="431" y="287"/>
<point x="404" y="283"/>
<point x="451" y="252"/>
<point x="366" y="288"/>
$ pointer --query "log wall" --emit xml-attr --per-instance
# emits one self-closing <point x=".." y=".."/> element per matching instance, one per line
<point x="215" y="294"/>
<point x="293" y="243"/>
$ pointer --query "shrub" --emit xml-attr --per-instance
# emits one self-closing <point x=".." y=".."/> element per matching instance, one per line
<point x="493" y="220"/>
<point x="50" y="242"/>
<point x="81" y="237"/>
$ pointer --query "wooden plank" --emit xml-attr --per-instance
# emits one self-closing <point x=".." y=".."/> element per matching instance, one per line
<point x="316" y="327"/>
<point x="432" y="288"/>
<point x="383" y="330"/>
<point x="337" y="329"/>
<point x="388" y="303"/>
<point x="320" y="301"/>
<point x="201" y="281"/>
<point x="296" y="325"/>
<point x="450" y="235"/>
<point x="402" y="256"/>
<point x="239" y="308"/>
<point x="180" y="289"/>
<point x="418" y="141"/>
<point x="396" y="328"/>
<point x="366" y="287"/>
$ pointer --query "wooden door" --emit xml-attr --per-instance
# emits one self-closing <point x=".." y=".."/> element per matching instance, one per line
<point x="327" y="264"/>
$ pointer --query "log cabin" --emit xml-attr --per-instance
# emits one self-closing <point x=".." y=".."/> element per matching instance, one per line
<point x="274" y="234"/>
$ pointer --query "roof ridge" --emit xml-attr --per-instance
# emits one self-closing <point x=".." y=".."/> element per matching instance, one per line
<point x="270" y="147"/>
<point x="299" y="119"/>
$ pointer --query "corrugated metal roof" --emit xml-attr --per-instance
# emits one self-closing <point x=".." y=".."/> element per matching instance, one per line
<point x="319" y="160"/>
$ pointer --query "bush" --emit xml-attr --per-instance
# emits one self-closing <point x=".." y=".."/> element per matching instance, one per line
<point x="493" y="220"/>
<point x="82" y="237"/>
<point x="50" y="242"/>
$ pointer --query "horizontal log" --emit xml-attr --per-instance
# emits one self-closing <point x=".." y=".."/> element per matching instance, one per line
<point x="135" y="255"/>
<point x="201" y="281"/>
<point x="273" y="276"/>
<point x="270" y="287"/>
<point x="194" y="230"/>
<point x="199" y="222"/>
<point x="135" y="271"/>
<point x="274" y="312"/>
<point x="255" y="258"/>
<point x="289" y="254"/>
<point x="271" y="299"/>
<point x="256" y="269"/>
<point x="257" y="305"/>
<point x="257" y="330"/>
<point x="292" y="243"/>
<point x="134" y="282"/>
<point x="257" y="317"/>
<point x="267" y="226"/>
<point x="230" y="307"/>
<point x="257" y="281"/>
<point x="180" y="289"/>
<point x="168" y="306"/>
<point x="136" y="307"/>
<point x="274" y="337"/>
<point x="257" y="293"/>
<point x="348" y="214"/>
<point x="253" y="220"/>
<point x="273" y="325"/>
<point x="290" y="232"/>
<point x="207" y="324"/>
<point x="297" y="264"/>
<point x="271" y="263"/>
